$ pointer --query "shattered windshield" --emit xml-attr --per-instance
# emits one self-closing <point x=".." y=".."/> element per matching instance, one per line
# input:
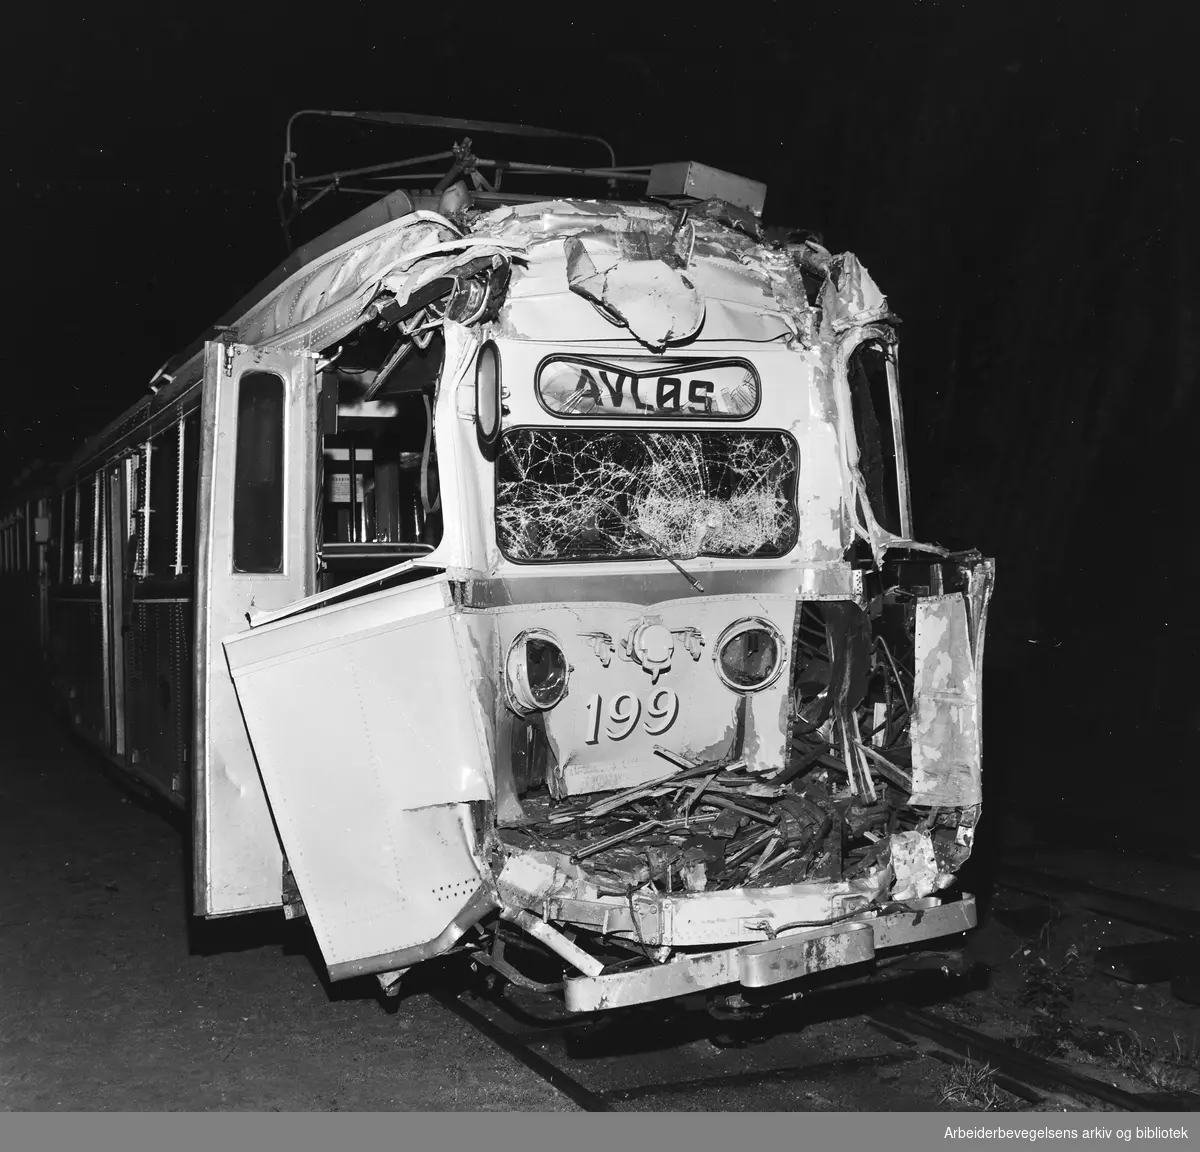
<point x="574" y="494"/>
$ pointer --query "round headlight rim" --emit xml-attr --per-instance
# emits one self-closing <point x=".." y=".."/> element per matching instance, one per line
<point x="520" y="696"/>
<point x="738" y="628"/>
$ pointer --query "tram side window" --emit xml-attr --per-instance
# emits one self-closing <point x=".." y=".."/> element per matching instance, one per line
<point x="86" y="546"/>
<point x="185" y="548"/>
<point x="258" y="475"/>
<point x="164" y="485"/>
<point x="78" y="543"/>
<point x="53" y="505"/>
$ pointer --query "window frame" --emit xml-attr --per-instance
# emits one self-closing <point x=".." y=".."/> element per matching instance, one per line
<point x="240" y="482"/>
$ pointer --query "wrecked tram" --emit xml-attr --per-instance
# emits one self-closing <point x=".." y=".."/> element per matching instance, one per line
<point x="535" y="572"/>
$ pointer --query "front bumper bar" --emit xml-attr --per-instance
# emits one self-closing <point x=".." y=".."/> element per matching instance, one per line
<point x="767" y="962"/>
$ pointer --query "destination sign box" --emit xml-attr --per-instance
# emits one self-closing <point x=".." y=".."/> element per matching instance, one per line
<point x="708" y="389"/>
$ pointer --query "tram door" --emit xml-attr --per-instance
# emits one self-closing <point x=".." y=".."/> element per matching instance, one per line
<point x="256" y="550"/>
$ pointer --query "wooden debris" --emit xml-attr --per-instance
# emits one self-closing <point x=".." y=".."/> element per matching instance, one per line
<point x="725" y="826"/>
<point x="749" y="846"/>
<point x="887" y="769"/>
<point x="611" y="841"/>
<point x="714" y="826"/>
<point x="742" y="810"/>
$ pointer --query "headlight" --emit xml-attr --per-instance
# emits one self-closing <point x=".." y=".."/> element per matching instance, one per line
<point x="536" y="670"/>
<point x="749" y="655"/>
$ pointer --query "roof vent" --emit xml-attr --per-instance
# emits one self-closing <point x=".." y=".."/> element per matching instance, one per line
<point x="689" y="178"/>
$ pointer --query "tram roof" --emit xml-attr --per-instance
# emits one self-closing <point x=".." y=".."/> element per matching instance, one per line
<point x="749" y="290"/>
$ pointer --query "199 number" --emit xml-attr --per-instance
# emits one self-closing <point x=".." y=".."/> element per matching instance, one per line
<point x="624" y="711"/>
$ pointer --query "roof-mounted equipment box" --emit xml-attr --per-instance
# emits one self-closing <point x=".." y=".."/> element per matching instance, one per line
<point x="689" y="178"/>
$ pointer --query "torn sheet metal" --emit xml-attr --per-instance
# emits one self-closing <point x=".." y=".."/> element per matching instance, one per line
<point x="740" y="289"/>
<point x="399" y="279"/>
<point x="946" y="758"/>
<point x="528" y="879"/>
<point x="341" y="275"/>
<point x="647" y="267"/>
<point x="656" y="302"/>
<point x="850" y="298"/>
<point x="915" y="866"/>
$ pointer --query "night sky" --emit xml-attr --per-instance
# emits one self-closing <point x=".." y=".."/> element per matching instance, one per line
<point x="1019" y="179"/>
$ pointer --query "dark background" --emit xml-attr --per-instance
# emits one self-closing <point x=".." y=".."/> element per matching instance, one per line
<point x="1019" y="178"/>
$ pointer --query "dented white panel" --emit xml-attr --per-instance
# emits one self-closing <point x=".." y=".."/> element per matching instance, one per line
<point x="655" y="301"/>
<point x="945" y="725"/>
<point x="369" y="745"/>
<point x="617" y="710"/>
<point x="377" y="878"/>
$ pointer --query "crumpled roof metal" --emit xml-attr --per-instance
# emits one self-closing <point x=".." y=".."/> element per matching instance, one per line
<point x="664" y="276"/>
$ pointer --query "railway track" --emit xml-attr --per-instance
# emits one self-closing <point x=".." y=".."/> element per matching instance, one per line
<point x="1169" y="919"/>
<point x="564" y="1051"/>
<point x="1032" y="1078"/>
<point x="587" y="1082"/>
<point x="1175" y="958"/>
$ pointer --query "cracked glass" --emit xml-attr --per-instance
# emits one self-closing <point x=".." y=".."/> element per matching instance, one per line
<point x="567" y="494"/>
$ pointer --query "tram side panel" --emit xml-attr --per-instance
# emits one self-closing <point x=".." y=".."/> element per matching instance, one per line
<point x="141" y="721"/>
<point x="76" y="609"/>
<point x="19" y="584"/>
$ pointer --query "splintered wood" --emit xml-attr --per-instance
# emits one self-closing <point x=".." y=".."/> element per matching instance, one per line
<point x="827" y="814"/>
<point x="712" y="826"/>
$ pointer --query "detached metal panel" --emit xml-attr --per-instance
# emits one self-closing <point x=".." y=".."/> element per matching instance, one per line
<point x="370" y="748"/>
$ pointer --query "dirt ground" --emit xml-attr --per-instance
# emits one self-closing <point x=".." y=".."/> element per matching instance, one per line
<point x="113" y="998"/>
<point x="1047" y="994"/>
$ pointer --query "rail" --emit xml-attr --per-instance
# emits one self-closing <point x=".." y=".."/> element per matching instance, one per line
<point x="1031" y="1078"/>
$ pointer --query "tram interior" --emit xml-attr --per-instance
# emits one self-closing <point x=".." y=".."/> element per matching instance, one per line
<point x="379" y="460"/>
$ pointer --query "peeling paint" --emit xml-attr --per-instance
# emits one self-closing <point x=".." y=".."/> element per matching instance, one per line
<point x="947" y="764"/>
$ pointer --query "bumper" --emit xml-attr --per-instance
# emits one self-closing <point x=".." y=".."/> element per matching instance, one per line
<point x="769" y="962"/>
